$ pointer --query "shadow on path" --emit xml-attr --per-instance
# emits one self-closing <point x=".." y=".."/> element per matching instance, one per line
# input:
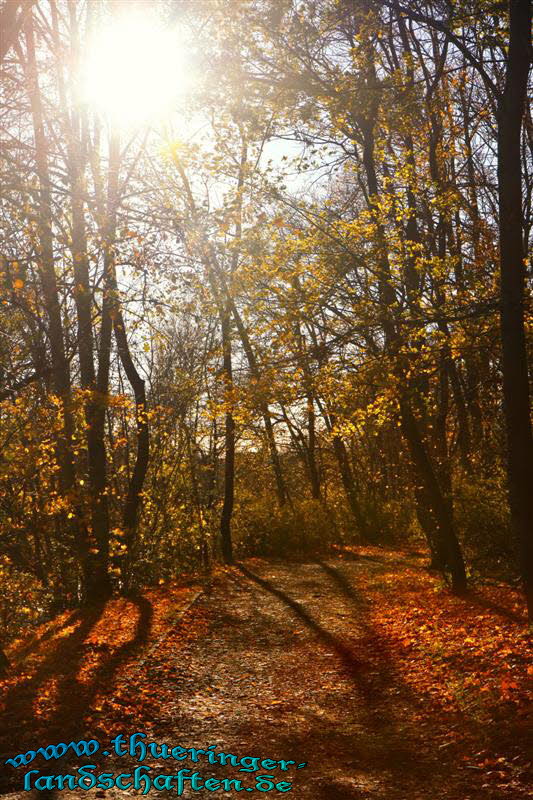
<point x="373" y="740"/>
<point x="73" y="696"/>
<point x="348" y="657"/>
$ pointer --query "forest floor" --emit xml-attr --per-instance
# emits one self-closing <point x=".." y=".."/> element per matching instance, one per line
<point x="362" y="666"/>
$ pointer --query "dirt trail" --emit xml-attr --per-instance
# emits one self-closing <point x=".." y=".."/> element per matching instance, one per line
<point x="288" y="667"/>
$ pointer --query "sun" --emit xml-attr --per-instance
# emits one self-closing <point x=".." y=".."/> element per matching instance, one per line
<point x="135" y="71"/>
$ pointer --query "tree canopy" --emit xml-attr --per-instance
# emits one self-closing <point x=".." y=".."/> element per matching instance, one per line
<point x="290" y="311"/>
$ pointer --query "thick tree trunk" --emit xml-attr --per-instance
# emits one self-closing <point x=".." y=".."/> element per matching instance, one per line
<point x="99" y="466"/>
<point x="96" y="450"/>
<point x="428" y="525"/>
<point x="512" y="271"/>
<point x="113" y="320"/>
<point x="511" y="104"/>
<point x="61" y="381"/>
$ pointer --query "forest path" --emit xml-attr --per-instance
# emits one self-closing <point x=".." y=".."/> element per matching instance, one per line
<point x="290" y="668"/>
<point x="362" y="666"/>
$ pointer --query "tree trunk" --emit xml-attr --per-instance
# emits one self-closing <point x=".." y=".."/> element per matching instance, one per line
<point x="314" y="475"/>
<point x="229" y="461"/>
<point x="446" y="537"/>
<point x="422" y="461"/>
<point x="281" y="489"/>
<point x="349" y="488"/>
<point x="136" y="483"/>
<point x="255" y="372"/>
<point x="61" y="381"/>
<point x="4" y="663"/>
<point x="76" y="139"/>
<point x="512" y="272"/>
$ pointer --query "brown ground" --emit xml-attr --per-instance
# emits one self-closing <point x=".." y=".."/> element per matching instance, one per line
<point x="286" y="661"/>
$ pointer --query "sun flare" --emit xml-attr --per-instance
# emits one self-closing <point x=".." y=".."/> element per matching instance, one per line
<point x="135" y="71"/>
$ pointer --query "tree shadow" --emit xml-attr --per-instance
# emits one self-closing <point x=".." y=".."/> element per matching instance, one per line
<point x="34" y="642"/>
<point x="73" y="696"/>
<point x="382" y="736"/>
<point x="343" y="583"/>
<point x="475" y="728"/>
<point x="346" y="654"/>
<point x="475" y="599"/>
